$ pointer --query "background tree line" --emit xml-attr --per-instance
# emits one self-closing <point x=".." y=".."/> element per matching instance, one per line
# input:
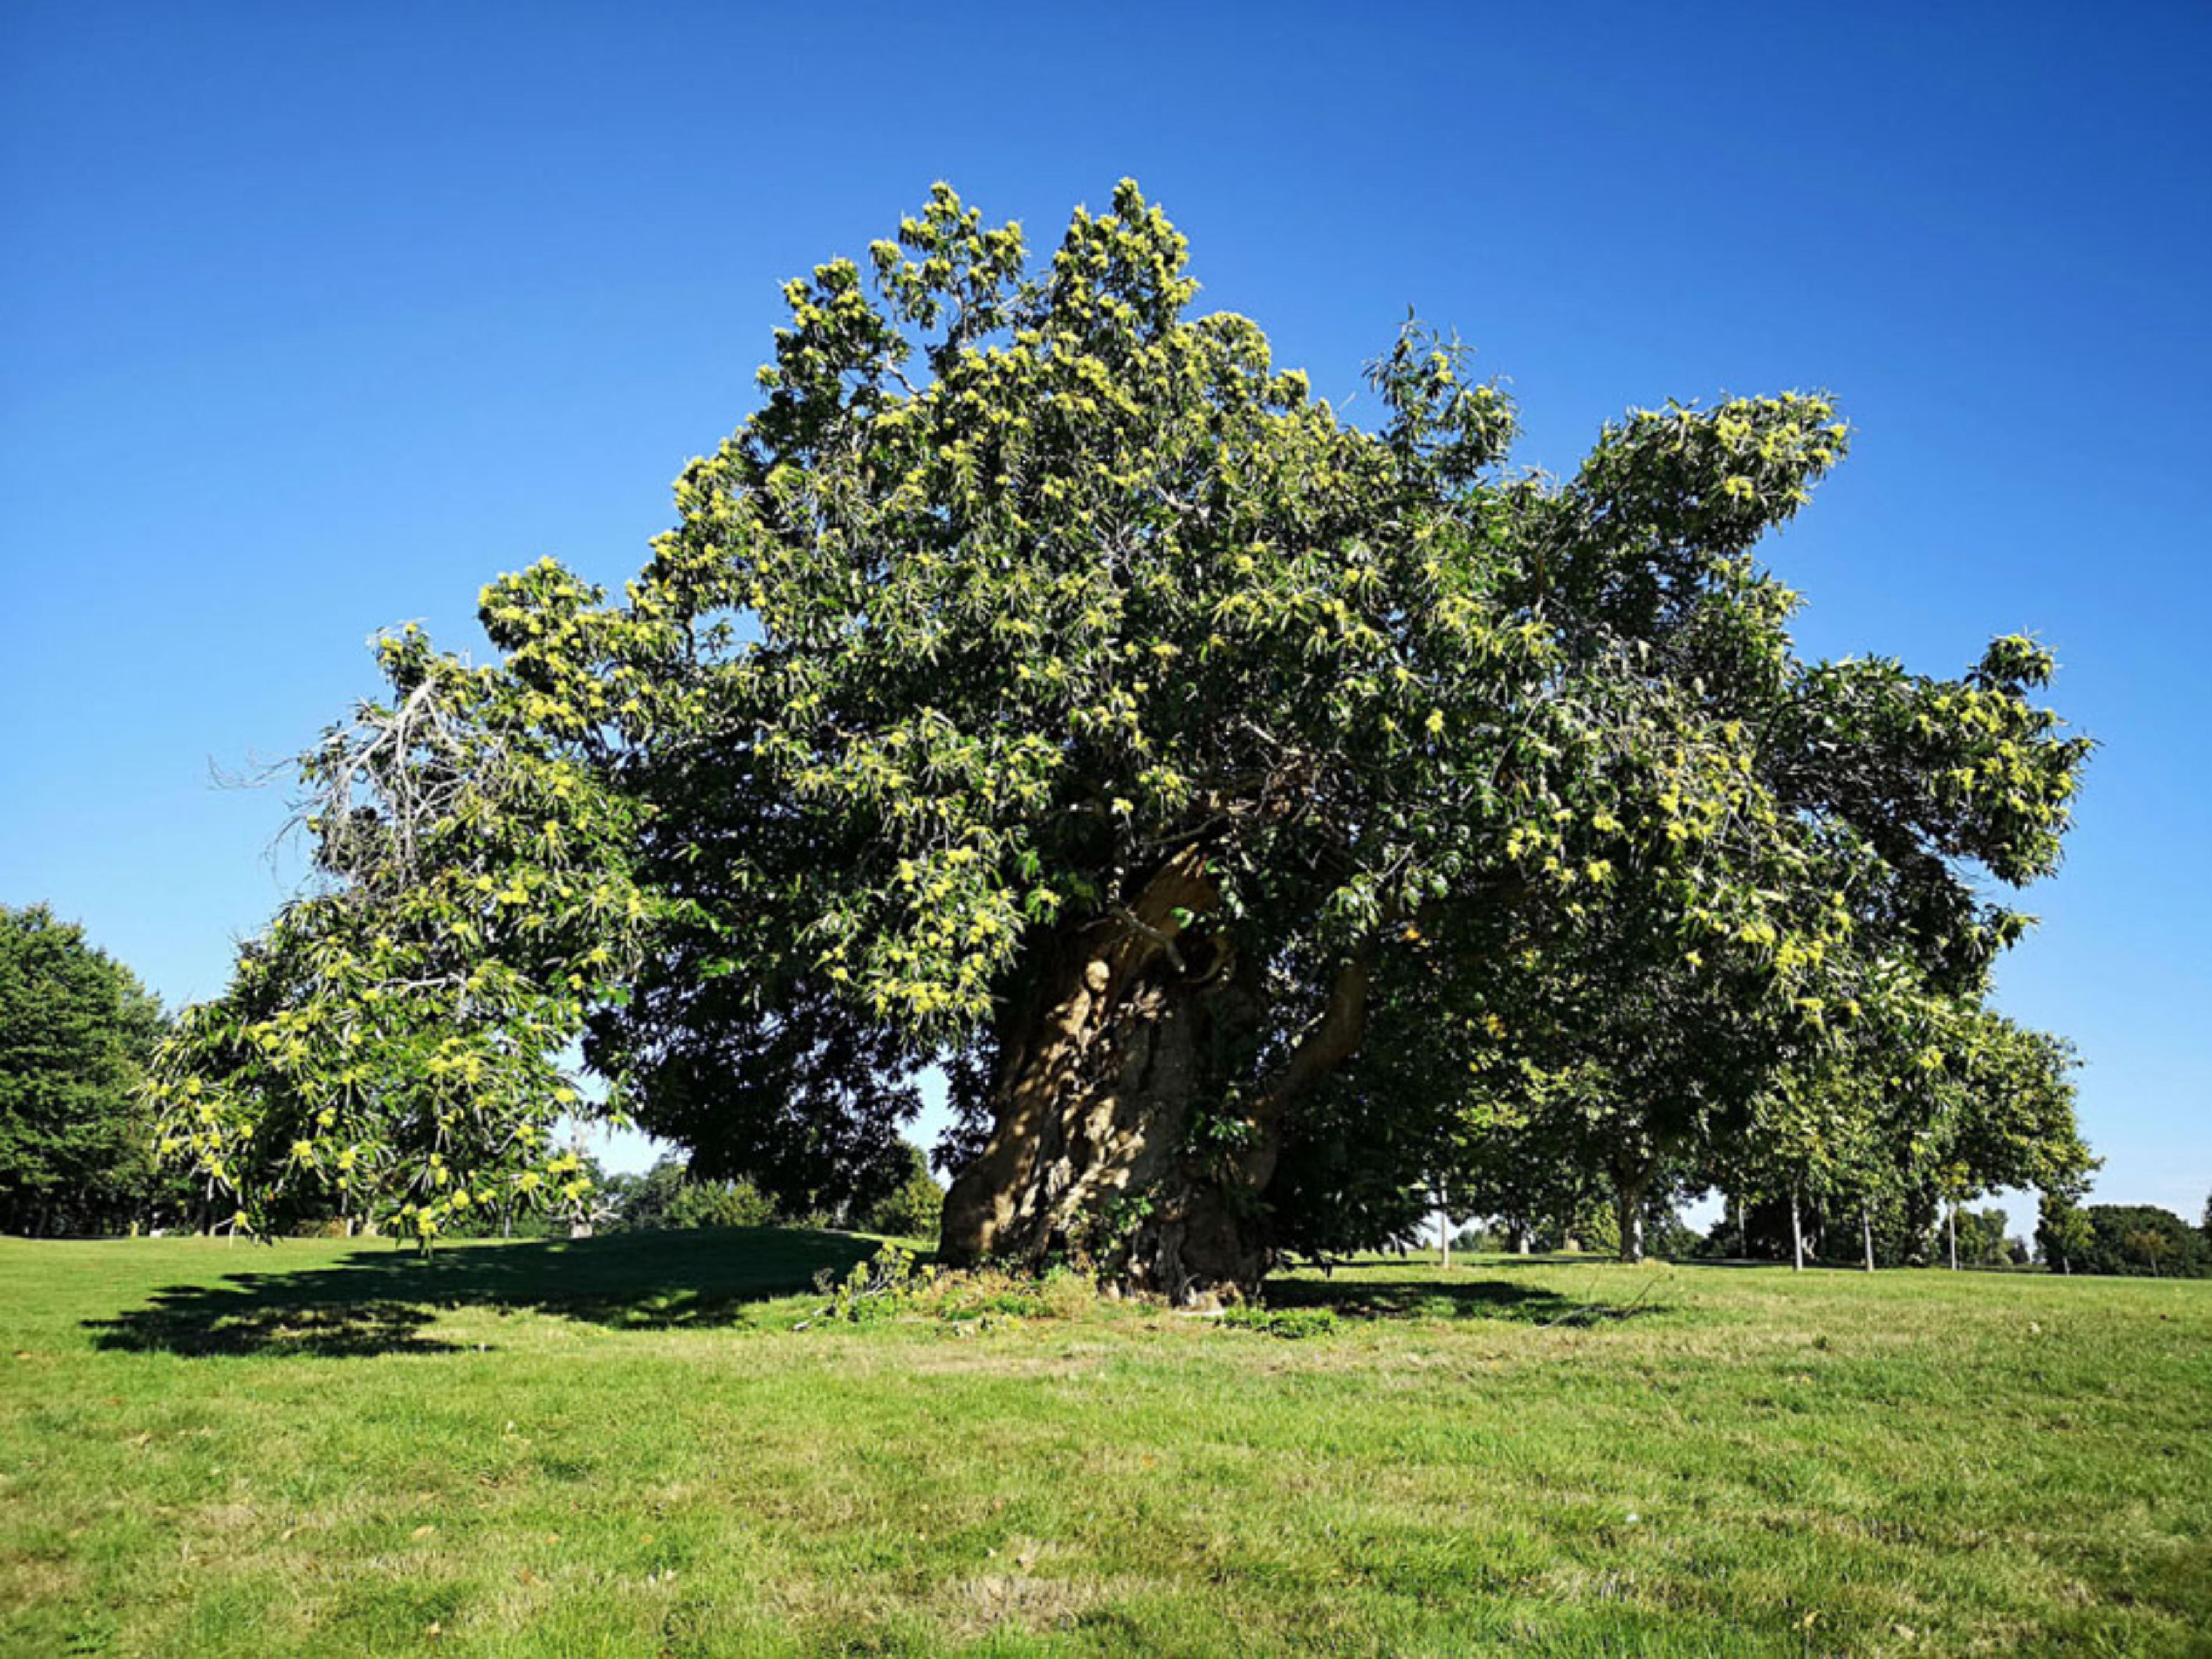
<point x="2124" y="1240"/>
<point x="77" y="1156"/>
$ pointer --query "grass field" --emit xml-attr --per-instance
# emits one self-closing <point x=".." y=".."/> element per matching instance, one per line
<point x="621" y="1446"/>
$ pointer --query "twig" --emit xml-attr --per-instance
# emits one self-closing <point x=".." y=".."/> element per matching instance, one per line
<point x="1593" y="1312"/>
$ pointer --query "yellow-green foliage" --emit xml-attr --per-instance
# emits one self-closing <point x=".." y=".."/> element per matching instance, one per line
<point x="1027" y="583"/>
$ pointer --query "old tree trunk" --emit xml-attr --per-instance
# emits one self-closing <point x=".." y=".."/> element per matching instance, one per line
<point x="1140" y="1036"/>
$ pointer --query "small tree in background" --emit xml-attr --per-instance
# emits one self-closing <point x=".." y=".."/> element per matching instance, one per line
<point x="76" y="1028"/>
<point x="2063" y="1234"/>
<point x="916" y="1208"/>
<point x="721" y="1204"/>
<point x="1983" y="1240"/>
<point x="669" y="1195"/>
<point x="641" y="1202"/>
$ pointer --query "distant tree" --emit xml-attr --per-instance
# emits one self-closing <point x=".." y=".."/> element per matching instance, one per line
<point x="2013" y="1123"/>
<point x="2149" y="1244"/>
<point x="721" y="1204"/>
<point x="916" y="1208"/>
<point x="1796" y="1153"/>
<point x="641" y="1202"/>
<point x="76" y="1028"/>
<point x="1529" y="1158"/>
<point x="670" y="1196"/>
<point x="2143" y="1240"/>
<point x="2063" y="1236"/>
<point x="1983" y="1240"/>
<point x="1670" y="1238"/>
<point x="1885" y="1134"/>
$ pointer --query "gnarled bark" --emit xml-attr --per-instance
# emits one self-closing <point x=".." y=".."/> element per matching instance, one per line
<point x="1097" y="1090"/>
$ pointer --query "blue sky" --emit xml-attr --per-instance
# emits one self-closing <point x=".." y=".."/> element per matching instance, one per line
<point x="313" y="318"/>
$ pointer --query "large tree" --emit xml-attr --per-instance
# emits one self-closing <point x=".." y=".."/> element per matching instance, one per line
<point x="76" y="1028"/>
<point x="1044" y="685"/>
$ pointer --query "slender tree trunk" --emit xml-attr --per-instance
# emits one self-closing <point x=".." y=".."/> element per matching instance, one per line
<point x="1952" y="1223"/>
<point x="1628" y="1210"/>
<point x="1796" y="1235"/>
<point x="1095" y="1088"/>
<point x="1866" y="1226"/>
<point x="1443" y="1225"/>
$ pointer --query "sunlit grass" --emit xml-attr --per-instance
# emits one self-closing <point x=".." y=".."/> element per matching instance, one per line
<point x="621" y="1446"/>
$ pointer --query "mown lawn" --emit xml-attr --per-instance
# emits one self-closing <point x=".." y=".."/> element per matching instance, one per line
<point x="621" y="1446"/>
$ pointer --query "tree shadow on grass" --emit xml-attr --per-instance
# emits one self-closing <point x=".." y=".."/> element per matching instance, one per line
<point x="1473" y="1262"/>
<point x="379" y="1299"/>
<point x="1454" y="1298"/>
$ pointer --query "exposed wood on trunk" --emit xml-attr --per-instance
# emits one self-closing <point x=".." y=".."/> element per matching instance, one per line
<point x="1202" y="1242"/>
<point x="1042" y="1063"/>
<point x="1095" y="1090"/>
<point x="1866" y="1225"/>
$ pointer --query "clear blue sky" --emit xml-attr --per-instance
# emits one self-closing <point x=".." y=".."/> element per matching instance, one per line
<point x="313" y="318"/>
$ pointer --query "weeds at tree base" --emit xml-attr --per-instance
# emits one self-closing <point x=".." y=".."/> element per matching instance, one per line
<point x="892" y="1283"/>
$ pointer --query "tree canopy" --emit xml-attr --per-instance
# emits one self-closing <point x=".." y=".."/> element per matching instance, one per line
<point x="77" y="1030"/>
<point x="1244" y="807"/>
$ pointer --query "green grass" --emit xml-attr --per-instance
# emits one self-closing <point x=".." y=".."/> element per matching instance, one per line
<point x="620" y="1446"/>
